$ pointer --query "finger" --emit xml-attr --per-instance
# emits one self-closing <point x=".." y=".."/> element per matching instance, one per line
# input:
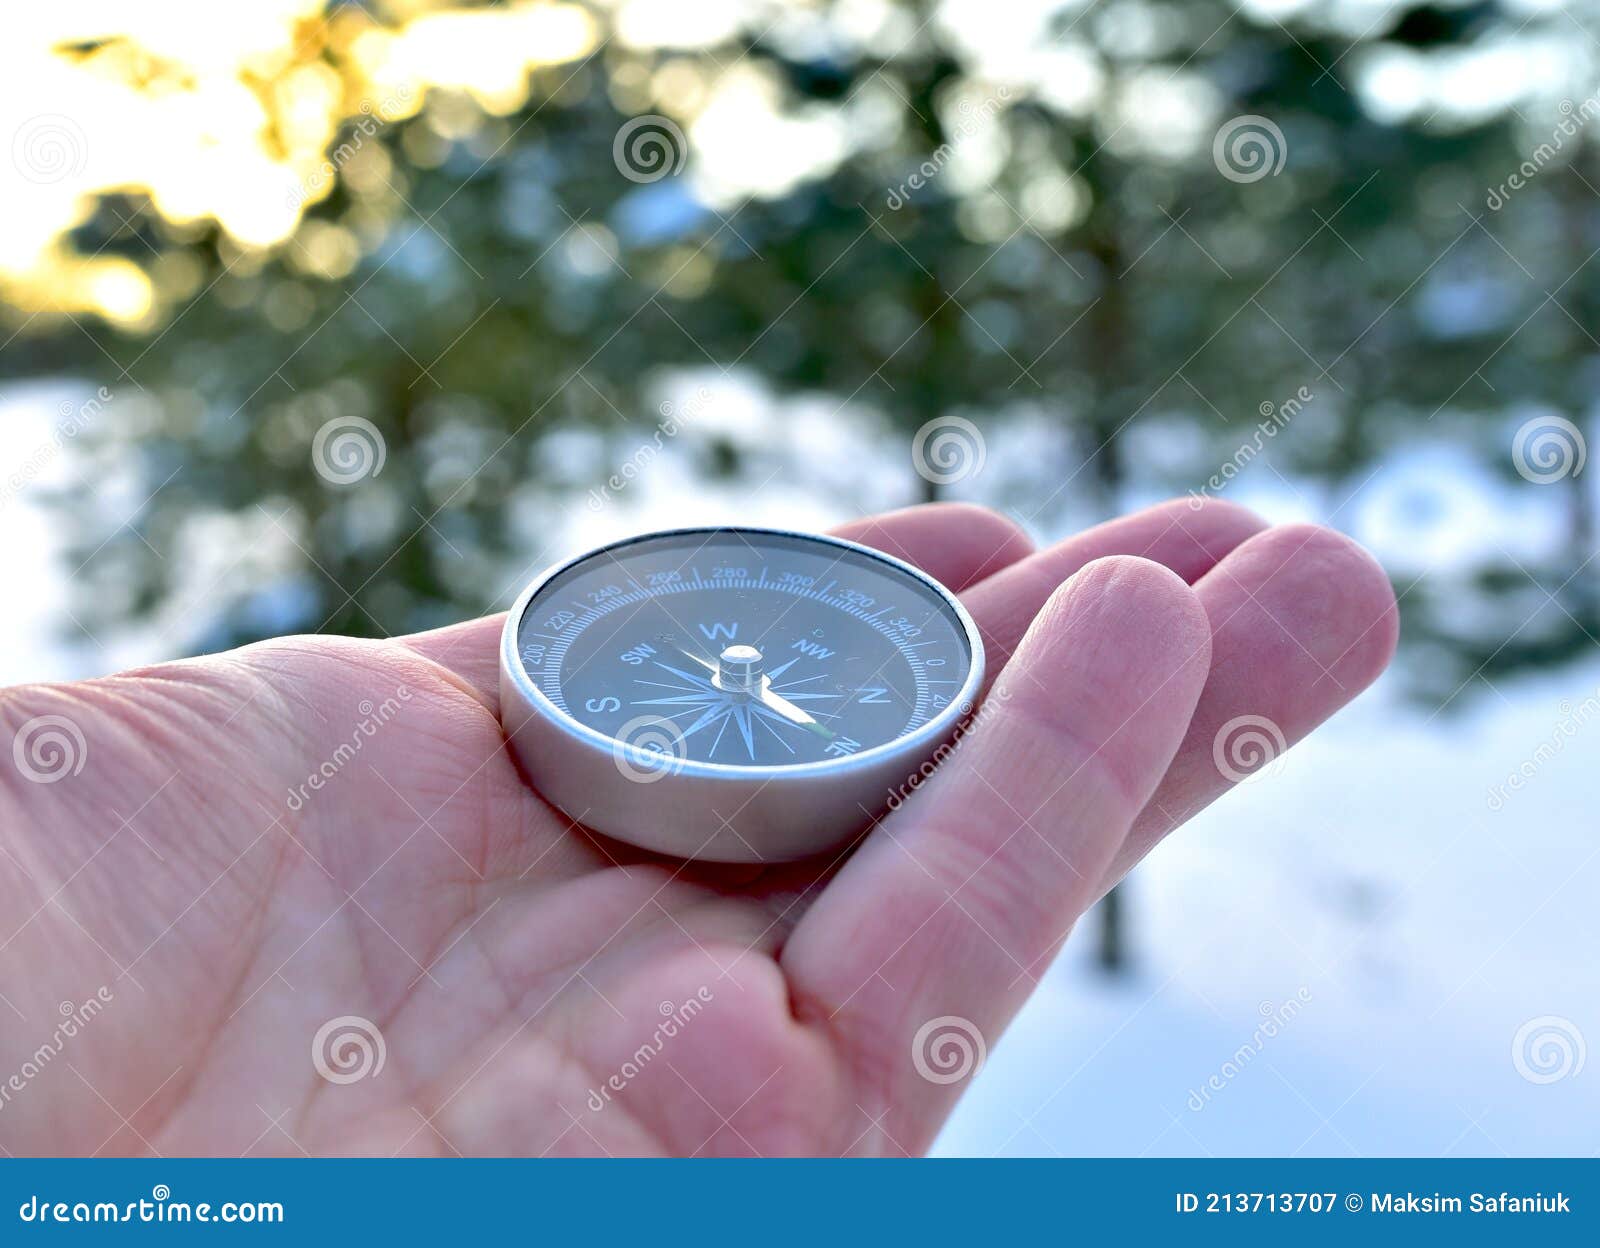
<point x="1187" y="535"/>
<point x="1302" y="620"/>
<point x="956" y="543"/>
<point x="959" y="898"/>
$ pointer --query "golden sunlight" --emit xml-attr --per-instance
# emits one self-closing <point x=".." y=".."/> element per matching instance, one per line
<point x="242" y="123"/>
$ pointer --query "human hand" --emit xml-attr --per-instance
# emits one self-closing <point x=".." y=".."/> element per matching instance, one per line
<point x="178" y="865"/>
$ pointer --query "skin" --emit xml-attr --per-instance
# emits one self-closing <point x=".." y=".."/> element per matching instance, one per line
<point x="515" y="963"/>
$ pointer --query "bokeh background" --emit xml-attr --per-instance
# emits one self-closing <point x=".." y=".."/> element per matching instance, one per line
<point x="350" y="317"/>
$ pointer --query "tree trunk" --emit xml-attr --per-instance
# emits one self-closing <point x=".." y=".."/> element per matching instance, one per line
<point x="1108" y="323"/>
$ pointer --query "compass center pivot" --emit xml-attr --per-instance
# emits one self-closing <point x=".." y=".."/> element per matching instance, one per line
<point x="739" y="670"/>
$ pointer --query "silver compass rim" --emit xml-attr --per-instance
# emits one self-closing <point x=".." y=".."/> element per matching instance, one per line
<point x="928" y="736"/>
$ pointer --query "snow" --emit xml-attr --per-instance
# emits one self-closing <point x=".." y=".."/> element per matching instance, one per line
<point x="1424" y="928"/>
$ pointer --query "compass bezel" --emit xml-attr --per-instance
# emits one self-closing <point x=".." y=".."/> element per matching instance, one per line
<point x="926" y="736"/>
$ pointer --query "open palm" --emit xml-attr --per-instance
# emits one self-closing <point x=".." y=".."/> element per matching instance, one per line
<point x="298" y="897"/>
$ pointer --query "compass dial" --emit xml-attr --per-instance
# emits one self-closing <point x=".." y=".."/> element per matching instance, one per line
<point x="746" y="648"/>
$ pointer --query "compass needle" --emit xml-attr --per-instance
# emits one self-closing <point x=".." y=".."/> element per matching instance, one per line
<point x="658" y="643"/>
<point x="695" y="658"/>
<point x="689" y="676"/>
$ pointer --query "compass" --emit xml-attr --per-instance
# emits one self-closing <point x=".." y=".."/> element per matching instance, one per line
<point x="733" y="694"/>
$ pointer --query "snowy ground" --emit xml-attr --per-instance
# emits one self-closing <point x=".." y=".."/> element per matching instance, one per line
<point x="1408" y="935"/>
<point x="1417" y="929"/>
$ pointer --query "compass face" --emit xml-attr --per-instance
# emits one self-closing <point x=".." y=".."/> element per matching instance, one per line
<point x="745" y="648"/>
